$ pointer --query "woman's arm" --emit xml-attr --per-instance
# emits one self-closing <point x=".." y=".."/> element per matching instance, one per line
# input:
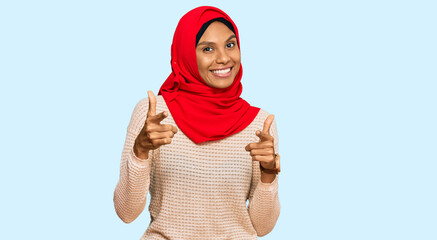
<point x="264" y="204"/>
<point x="131" y="190"/>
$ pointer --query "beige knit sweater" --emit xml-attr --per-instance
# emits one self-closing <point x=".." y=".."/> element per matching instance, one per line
<point x="198" y="191"/>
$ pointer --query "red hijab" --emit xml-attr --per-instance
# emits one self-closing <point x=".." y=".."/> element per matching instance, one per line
<point x="202" y="112"/>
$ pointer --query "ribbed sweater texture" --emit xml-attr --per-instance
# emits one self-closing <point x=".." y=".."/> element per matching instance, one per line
<point x="198" y="191"/>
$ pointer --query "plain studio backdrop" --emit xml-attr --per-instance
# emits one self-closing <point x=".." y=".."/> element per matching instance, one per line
<point x="352" y="85"/>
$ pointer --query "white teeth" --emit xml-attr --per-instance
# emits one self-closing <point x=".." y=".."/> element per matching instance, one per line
<point x="222" y="71"/>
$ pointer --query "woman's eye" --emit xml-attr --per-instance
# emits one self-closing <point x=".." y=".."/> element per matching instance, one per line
<point x="207" y="49"/>
<point x="229" y="45"/>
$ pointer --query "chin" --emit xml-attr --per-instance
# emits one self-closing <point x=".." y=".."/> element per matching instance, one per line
<point x="222" y="85"/>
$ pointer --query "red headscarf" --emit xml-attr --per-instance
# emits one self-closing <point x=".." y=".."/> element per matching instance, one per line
<point x="202" y="112"/>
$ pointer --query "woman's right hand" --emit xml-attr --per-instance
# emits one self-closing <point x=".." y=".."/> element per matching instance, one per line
<point x="153" y="134"/>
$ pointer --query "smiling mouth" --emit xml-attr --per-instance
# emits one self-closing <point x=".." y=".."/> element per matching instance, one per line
<point x="225" y="72"/>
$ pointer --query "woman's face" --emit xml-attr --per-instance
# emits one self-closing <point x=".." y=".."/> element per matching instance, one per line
<point x="218" y="56"/>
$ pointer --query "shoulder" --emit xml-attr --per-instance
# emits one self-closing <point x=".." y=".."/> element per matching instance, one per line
<point x="260" y="118"/>
<point x="263" y="114"/>
<point x="143" y="105"/>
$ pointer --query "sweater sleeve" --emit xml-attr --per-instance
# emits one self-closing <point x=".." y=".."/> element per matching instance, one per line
<point x="132" y="187"/>
<point x="264" y="204"/>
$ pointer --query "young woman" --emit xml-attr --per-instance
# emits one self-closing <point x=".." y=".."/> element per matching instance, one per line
<point x="200" y="149"/>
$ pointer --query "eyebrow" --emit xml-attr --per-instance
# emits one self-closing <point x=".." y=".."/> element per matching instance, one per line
<point x="210" y="43"/>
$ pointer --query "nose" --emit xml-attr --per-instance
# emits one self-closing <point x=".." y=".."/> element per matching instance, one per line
<point x="222" y="57"/>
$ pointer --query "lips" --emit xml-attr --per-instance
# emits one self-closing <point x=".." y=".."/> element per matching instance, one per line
<point x="222" y="72"/>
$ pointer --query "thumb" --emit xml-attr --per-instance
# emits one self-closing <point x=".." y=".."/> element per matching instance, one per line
<point x="152" y="104"/>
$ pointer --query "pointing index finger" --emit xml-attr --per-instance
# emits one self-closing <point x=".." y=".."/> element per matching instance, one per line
<point x="152" y="104"/>
<point x="159" y="117"/>
<point x="268" y="123"/>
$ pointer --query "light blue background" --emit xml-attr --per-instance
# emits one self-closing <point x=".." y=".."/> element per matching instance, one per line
<point x="352" y="85"/>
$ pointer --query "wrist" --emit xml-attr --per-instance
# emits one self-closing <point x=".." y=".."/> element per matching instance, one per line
<point x="267" y="177"/>
<point x="141" y="153"/>
<point x="274" y="170"/>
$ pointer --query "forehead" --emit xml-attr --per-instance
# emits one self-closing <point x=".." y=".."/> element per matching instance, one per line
<point x="216" y="31"/>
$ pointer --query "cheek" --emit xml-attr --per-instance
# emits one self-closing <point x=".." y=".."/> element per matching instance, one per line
<point x="237" y="69"/>
<point x="236" y="56"/>
<point x="202" y="64"/>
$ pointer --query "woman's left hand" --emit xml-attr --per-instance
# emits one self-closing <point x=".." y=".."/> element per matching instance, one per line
<point x="263" y="150"/>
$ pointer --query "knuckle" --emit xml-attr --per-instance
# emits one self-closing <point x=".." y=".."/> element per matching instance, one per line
<point x="156" y="143"/>
<point x="149" y="128"/>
